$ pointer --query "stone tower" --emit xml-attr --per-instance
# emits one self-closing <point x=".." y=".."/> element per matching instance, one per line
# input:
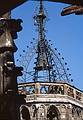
<point x="49" y="95"/>
<point x="61" y="101"/>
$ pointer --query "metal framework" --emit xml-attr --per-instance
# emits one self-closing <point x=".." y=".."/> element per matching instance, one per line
<point x="42" y="63"/>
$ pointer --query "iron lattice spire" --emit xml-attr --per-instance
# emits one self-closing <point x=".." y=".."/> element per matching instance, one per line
<point x="43" y="63"/>
<point x="48" y="66"/>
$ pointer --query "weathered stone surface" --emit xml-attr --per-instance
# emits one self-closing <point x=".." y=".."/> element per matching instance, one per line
<point x="66" y="105"/>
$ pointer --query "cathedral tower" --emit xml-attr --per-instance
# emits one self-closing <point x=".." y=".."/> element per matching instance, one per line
<point x="49" y="94"/>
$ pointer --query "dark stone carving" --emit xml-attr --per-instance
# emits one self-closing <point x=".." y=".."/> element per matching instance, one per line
<point x="10" y="100"/>
<point x="8" y="5"/>
<point x="78" y="10"/>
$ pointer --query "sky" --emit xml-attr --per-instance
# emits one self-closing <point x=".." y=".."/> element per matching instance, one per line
<point x="65" y="33"/>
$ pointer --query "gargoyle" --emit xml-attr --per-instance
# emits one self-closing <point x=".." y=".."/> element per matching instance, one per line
<point x="76" y="9"/>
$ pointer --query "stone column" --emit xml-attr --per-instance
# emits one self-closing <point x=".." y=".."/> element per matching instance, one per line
<point x="10" y="100"/>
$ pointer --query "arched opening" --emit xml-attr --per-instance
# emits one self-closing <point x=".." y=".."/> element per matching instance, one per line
<point x="53" y="113"/>
<point x="25" y="113"/>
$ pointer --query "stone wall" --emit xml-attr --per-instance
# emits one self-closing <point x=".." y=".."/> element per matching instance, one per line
<point x="51" y="111"/>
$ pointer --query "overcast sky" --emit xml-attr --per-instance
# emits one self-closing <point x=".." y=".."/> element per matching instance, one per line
<point x="66" y="34"/>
